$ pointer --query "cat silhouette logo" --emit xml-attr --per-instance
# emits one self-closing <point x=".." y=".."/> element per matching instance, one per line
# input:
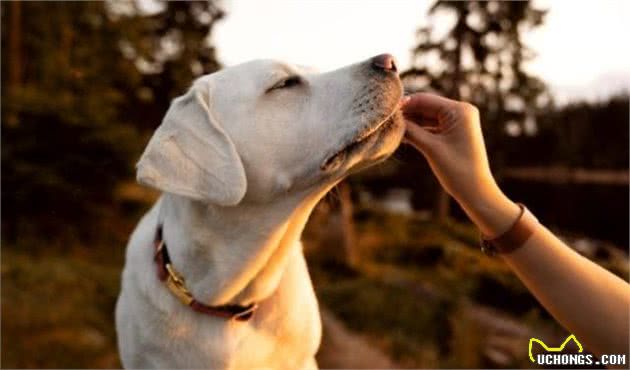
<point x="553" y="349"/>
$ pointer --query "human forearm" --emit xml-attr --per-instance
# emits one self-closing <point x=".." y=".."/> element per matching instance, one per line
<point x="586" y="299"/>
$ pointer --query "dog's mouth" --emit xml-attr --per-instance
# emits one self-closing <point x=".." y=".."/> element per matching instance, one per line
<point x="364" y="138"/>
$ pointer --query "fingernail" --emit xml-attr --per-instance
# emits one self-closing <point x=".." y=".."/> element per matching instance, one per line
<point x="405" y="99"/>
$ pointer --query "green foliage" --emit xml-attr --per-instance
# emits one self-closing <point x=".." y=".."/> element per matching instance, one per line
<point x="169" y="47"/>
<point x="83" y="85"/>
<point x="386" y="310"/>
<point x="578" y="135"/>
<point x="57" y="312"/>
<point x="424" y="293"/>
<point x="591" y="135"/>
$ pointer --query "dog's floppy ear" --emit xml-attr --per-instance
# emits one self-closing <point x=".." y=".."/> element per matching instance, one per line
<point x="190" y="154"/>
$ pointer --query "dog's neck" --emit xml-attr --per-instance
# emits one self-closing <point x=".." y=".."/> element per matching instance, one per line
<point x="234" y="254"/>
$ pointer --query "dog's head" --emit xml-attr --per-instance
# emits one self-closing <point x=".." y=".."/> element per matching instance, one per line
<point x="265" y="128"/>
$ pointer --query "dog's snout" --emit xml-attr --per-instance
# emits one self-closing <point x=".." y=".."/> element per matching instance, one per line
<point x="384" y="62"/>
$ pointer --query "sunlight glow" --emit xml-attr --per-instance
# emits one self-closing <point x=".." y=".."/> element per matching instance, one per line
<point x="580" y="49"/>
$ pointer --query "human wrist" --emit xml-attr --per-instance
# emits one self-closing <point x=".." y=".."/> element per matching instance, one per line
<point x="490" y="210"/>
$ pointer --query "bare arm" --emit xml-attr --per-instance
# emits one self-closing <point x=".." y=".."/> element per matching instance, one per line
<point x="586" y="299"/>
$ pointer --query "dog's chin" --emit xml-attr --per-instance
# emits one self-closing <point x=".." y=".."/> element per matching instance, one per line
<point x="369" y="149"/>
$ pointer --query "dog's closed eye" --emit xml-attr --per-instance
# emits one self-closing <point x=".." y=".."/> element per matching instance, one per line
<point x="287" y="83"/>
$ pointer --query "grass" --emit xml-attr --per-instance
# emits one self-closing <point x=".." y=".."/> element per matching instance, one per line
<point x="415" y="294"/>
<point x="425" y="294"/>
<point x="57" y="311"/>
<point x="386" y="311"/>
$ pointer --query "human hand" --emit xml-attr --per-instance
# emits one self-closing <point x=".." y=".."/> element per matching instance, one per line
<point x="448" y="134"/>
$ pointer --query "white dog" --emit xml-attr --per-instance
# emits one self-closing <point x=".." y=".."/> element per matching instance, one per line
<point x="242" y="158"/>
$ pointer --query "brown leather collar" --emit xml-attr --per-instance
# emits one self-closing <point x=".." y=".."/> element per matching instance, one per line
<point x="177" y="285"/>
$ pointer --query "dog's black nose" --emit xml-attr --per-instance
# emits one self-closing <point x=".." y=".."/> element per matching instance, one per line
<point x="384" y="62"/>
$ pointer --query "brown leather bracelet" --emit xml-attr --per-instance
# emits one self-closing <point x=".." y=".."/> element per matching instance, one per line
<point x="514" y="238"/>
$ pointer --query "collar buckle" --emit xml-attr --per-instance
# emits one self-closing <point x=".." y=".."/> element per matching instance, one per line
<point x="177" y="285"/>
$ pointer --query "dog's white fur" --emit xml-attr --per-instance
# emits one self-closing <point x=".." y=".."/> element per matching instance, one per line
<point x="241" y="165"/>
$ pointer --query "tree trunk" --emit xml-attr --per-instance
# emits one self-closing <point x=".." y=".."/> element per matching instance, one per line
<point x="15" y="59"/>
<point x="347" y="225"/>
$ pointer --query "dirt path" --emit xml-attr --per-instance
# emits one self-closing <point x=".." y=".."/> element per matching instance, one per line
<point x="342" y="348"/>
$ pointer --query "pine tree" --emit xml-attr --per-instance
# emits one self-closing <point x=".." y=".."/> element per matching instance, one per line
<point x="79" y="97"/>
<point x="479" y="59"/>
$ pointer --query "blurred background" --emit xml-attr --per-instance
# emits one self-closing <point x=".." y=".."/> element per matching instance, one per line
<point x="395" y="263"/>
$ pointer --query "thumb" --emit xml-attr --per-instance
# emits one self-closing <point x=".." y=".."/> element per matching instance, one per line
<point x="421" y="138"/>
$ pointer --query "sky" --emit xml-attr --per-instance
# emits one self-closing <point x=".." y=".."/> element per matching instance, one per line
<point x="582" y="49"/>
